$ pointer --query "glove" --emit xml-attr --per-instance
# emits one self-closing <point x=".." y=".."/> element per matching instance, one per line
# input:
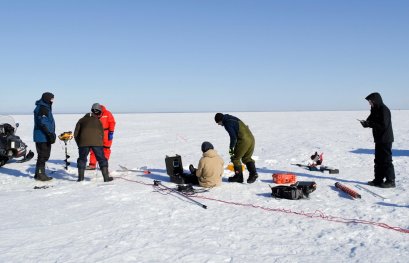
<point x="231" y="153"/>
<point x="364" y="124"/>
<point x="51" y="137"/>
<point x="110" y="135"/>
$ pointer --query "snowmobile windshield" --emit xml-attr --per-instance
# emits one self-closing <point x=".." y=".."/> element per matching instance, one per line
<point x="6" y="119"/>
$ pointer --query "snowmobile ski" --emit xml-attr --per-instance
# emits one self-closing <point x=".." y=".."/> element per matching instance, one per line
<point x="26" y="158"/>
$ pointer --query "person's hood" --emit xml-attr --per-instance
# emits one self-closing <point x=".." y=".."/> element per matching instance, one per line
<point x="210" y="153"/>
<point x="47" y="97"/>
<point x="103" y="109"/>
<point x="375" y="98"/>
<point x="42" y="103"/>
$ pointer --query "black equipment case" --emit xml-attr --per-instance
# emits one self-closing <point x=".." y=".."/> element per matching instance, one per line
<point x="174" y="169"/>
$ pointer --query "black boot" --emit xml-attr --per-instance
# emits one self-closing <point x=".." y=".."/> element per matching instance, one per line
<point x="375" y="183"/>
<point x="388" y="184"/>
<point x="192" y="169"/>
<point x="251" y="167"/>
<point x="105" y="174"/>
<point x="40" y="174"/>
<point x="80" y="175"/>
<point x="238" y="175"/>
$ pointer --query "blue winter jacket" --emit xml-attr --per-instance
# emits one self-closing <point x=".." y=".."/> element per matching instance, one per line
<point x="43" y="121"/>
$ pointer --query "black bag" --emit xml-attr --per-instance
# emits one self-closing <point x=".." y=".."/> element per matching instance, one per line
<point x="287" y="192"/>
<point x="299" y="190"/>
<point x="306" y="187"/>
<point x="174" y="169"/>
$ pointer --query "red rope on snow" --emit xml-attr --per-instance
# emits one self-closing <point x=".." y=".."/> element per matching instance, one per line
<point x="129" y="180"/>
<point x="316" y="214"/>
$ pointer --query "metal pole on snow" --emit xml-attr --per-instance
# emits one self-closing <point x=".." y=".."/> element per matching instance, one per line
<point x="158" y="183"/>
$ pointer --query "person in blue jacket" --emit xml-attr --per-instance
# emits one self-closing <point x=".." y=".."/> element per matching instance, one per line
<point x="44" y="133"/>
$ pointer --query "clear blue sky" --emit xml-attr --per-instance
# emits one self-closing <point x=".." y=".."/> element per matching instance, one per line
<point x="213" y="55"/>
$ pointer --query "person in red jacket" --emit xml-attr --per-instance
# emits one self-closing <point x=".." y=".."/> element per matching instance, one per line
<point x="108" y="123"/>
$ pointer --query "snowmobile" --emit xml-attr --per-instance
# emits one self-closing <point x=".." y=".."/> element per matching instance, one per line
<point x="11" y="146"/>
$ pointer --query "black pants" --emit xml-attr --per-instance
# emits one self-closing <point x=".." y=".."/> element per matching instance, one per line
<point x="83" y="154"/>
<point x="383" y="162"/>
<point x="191" y="179"/>
<point x="43" y="153"/>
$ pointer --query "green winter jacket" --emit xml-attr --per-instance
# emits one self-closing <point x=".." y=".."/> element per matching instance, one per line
<point x="89" y="131"/>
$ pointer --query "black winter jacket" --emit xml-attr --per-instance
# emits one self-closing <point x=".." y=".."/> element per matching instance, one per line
<point x="380" y="119"/>
<point x="89" y="131"/>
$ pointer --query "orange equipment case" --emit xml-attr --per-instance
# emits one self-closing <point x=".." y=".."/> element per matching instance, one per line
<point x="284" y="178"/>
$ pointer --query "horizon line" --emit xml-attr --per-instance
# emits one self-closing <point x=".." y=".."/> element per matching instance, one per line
<point x="165" y="112"/>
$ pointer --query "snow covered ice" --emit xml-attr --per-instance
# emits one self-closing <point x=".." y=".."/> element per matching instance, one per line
<point x="128" y="221"/>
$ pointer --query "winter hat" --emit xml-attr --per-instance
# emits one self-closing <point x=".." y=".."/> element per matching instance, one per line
<point x="206" y="146"/>
<point x="47" y="97"/>
<point x="218" y="117"/>
<point x="96" y="108"/>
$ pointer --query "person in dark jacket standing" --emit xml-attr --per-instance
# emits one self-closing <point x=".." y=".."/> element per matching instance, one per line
<point x="89" y="135"/>
<point x="43" y="134"/>
<point x="242" y="145"/>
<point x="380" y="122"/>
<point x="108" y="123"/>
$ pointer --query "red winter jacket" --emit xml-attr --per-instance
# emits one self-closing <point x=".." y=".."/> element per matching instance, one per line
<point x="108" y="123"/>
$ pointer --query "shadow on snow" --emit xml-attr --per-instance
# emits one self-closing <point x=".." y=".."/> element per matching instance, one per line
<point x="394" y="205"/>
<point x="395" y="152"/>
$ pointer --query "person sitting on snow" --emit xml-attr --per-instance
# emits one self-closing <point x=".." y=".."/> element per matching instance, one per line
<point x="210" y="169"/>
